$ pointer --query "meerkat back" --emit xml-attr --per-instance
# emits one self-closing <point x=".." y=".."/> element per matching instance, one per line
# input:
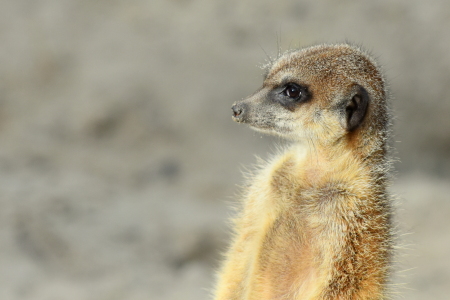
<point x="315" y="221"/>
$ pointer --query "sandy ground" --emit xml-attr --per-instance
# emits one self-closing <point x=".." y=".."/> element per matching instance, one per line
<point x="119" y="158"/>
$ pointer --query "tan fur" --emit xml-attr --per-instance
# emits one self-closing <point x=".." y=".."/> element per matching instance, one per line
<point x="315" y="221"/>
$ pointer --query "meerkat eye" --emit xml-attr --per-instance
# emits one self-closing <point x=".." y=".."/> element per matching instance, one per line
<point x="293" y="91"/>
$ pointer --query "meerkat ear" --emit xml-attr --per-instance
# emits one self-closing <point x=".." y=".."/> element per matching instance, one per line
<point x="355" y="108"/>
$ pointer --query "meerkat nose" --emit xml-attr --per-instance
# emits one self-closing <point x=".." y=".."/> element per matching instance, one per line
<point x="237" y="111"/>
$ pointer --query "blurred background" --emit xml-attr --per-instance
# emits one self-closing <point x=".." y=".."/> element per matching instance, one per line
<point x="119" y="158"/>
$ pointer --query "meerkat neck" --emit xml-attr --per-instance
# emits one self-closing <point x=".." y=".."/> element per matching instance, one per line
<point x="370" y="151"/>
<point x="322" y="157"/>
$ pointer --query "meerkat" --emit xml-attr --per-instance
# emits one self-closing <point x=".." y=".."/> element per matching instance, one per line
<point x="315" y="221"/>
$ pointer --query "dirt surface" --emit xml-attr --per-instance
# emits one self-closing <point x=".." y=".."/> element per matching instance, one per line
<point x="119" y="159"/>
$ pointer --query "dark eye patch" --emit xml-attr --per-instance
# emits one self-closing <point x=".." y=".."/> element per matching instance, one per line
<point x="290" y="95"/>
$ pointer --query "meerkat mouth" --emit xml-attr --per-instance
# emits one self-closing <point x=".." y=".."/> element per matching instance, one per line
<point x="237" y="120"/>
<point x="271" y="130"/>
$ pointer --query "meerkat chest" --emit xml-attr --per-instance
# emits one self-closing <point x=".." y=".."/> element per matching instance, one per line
<point x="281" y="223"/>
<point x="276" y="233"/>
<point x="273" y="192"/>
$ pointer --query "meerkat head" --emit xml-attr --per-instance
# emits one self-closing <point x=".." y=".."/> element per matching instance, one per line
<point x="322" y="93"/>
